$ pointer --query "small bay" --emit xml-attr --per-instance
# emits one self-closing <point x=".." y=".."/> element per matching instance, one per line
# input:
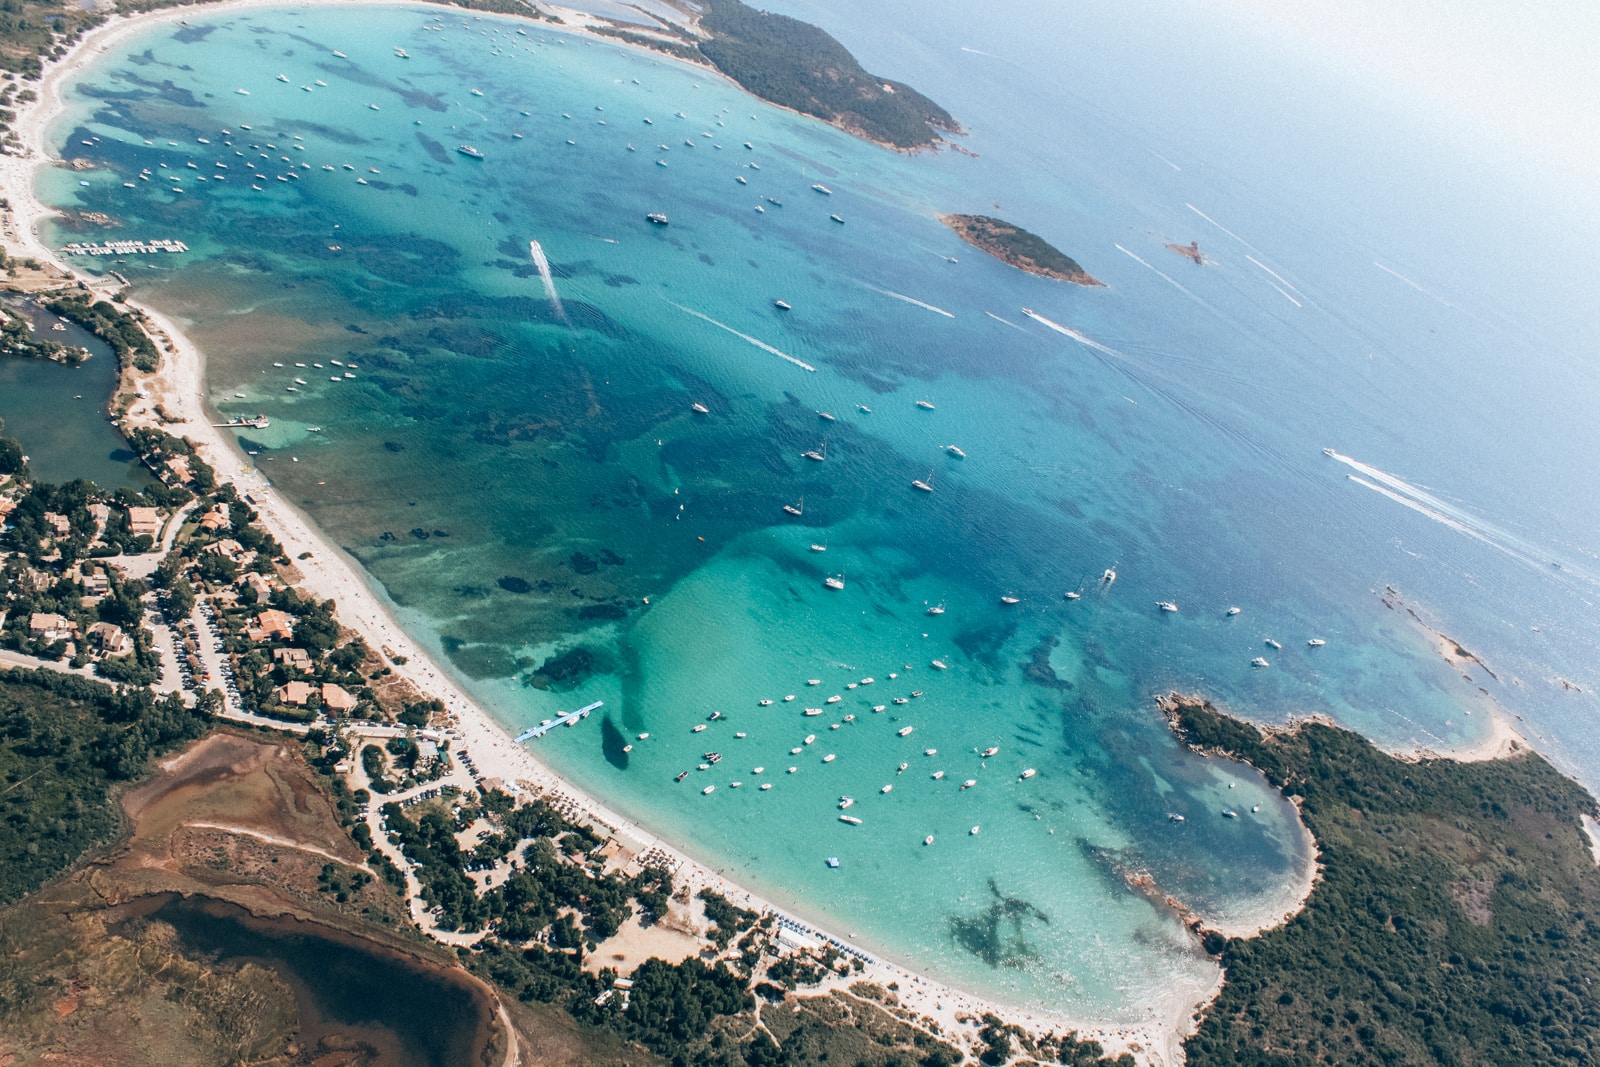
<point x="527" y="480"/>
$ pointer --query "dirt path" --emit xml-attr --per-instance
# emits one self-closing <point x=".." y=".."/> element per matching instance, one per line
<point x="283" y="842"/>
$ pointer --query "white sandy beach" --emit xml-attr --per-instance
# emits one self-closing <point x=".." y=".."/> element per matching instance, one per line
<point x="179" y="387"/>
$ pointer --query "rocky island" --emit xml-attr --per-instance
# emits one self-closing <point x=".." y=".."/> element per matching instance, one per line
<point x="1012" y="244"/>
<point x="1190" y="251"/>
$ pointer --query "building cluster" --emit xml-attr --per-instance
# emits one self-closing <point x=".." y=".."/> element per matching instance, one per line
<point x="271" y="650"/>
<point x="70" y="587"/>
<point x="84" y="584"/>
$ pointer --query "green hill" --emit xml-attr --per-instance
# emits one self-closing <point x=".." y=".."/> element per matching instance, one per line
<point x="799" y="66"/>
<point x="1456" y="919"/>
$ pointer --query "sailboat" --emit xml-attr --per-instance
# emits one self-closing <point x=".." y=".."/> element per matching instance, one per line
<point x="796" y="509"/>
<point x="816" y="456"/>
<point x="834" y="581"/>
<point x="925" y="486"/>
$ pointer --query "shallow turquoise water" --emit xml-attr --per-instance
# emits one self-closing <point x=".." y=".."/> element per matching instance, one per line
<point x="520" y="477"/>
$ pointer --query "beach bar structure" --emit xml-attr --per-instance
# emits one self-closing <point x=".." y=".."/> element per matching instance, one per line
<point x="125" y="248"/>
<point x="550" y="724"/>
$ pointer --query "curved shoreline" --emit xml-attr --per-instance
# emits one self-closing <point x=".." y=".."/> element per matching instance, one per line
<point x="180" y="385"/>
<point x="178" y="388"/>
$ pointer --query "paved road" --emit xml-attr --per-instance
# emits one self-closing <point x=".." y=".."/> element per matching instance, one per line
<point x="17" y="659"/>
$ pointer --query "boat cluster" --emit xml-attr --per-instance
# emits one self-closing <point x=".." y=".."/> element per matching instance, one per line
<point x="711" y="759"/>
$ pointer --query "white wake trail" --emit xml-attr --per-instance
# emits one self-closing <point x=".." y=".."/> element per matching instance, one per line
<point x="1287" y="284"/>
<point x="1422" y="509"/>
<point x="1163" y="275"/>
<point x="1008" y="322"/>
<point x="543" y="266"/>
<point x="1164" y="159"/>
<point x="1414" y="285"/>
<point x="1219" y="225"/>
<point x="1400" y="485"/>
<point x="911" y="300"/>
<point x="1286" y="295"/>
<point x="1074" y="334"/>
<point x="744" y="336"/>
<point x="1448" y="514"/>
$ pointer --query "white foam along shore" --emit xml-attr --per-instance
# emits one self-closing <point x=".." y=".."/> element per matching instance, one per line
<point x="178" y="387"/>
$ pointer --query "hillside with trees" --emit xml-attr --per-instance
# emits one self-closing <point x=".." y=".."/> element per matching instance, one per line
<point x="64" y="743"/>
<point x="797" y="65"/>
<point x="1456" y="919"/>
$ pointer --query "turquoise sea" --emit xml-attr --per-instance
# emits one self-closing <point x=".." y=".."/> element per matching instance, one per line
<point x="521" y="474"/>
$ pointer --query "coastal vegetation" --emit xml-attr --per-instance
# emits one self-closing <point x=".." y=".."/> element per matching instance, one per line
<point x="17" y="339"/>
<point x="13" y="460"/>
<point x="117" y="327"/>
<point x="1012" y="244"/>
<point x="64" y="743"/>
<point x="1456" y="918"/>
<point x="797" y="65"/>
<point x="175" y="461"/>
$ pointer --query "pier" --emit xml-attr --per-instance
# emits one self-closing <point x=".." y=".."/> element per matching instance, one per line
<point x="125" y="248"/>
<point x="550" y="724"/>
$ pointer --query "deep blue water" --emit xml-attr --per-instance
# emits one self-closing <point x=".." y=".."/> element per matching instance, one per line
<point x="520" y="476"/>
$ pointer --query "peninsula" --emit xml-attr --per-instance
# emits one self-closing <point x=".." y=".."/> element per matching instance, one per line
<point x="1012" y="244"/>
<point x="1450" y="916"/>
<point x="784" y="61"/>
<point x="800" y="66"/>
